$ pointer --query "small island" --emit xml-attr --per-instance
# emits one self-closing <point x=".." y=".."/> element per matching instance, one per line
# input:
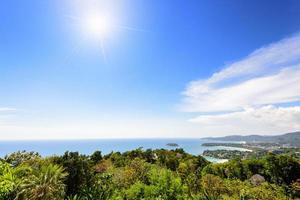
<point x="172" y="145"/>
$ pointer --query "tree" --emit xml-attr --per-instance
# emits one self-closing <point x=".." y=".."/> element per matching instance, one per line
<point x="282" y="169"/>
<point x="217" y="169"/>
<point x="117" y="159"/>
<point x="235" y="169"/>
<point x="45" y="183"/>
<point x="102" y="188"/>
<point x="96" y="157"/>
<point x="264" y="191"/>
<point x="213" y="187"/>
<point x="165" y="184"/>
<point x="201" y="162"/>
<point x="7" y="181"/>
<point x="19" y="157"/>
<point x="149" y="156"/>
<point x="244" y="190"/>
<point x="254" y="166"/>
<point x="80" y="171"/>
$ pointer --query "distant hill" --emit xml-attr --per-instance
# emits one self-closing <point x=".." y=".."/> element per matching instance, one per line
<point x="288" y="138"/>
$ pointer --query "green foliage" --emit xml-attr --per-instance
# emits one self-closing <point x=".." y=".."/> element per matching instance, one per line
<point x="19" y="157"/>
<point x="215" y="169"/>
<point x="213" y="187"/>
<point x="282" y="169"/>
<point x="216" y="188"/>
<point x="7" y="180"/>
<point x="96" y="157"/>
<point x="265" y="191"/>
<point x="102" y="188"/>
<point x="117" y="159"/>
<point x="79" y="169"/>
<point x="45" y="183"/>
<point x="146" y="175"/>
<point x="254" y="166"/>
<point x="163" y="184"/>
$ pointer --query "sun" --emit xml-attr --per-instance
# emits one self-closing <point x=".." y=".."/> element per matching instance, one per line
<point x="97" y="26"/>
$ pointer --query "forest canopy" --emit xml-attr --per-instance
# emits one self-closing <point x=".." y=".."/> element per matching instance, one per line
<point x="146" y="174"/>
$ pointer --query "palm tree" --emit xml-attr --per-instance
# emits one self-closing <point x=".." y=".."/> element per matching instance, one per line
<point x="7" y="180"/>
<point x="45" y="183"/>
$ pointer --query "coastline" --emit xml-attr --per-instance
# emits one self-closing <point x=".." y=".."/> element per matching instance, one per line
<point x="215" y="160"/>
<point x="58" y="147"/>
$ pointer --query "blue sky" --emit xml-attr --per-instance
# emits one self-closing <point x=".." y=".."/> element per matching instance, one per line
<point x="152" y="73"/>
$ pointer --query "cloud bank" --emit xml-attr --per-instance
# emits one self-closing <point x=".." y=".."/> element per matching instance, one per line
<point x="250" y="92"/>
<point x="263" y="120"/>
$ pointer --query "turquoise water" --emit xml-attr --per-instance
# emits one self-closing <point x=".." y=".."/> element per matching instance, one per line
<point x="58" y="147"/>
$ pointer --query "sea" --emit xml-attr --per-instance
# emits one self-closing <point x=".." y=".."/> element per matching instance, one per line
<point x="58" y="147"/>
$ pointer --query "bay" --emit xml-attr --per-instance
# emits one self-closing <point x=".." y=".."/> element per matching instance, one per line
<point x="58" y="147"/>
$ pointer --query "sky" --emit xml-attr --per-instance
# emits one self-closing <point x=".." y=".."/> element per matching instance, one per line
<point x="72" y="69"/>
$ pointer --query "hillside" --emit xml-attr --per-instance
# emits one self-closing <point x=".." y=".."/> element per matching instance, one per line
<point x="288" y="138"/>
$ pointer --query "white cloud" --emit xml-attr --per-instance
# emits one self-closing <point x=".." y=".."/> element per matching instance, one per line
<point x="264" y="120"/>
<point x="269" y="75"/>
<point x="250" y="91"/>
<point x="281" y="87"/>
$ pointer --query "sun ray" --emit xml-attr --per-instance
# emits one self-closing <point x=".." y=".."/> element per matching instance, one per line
<point x="103" y="50"/>
<point x="99" y="27"/>
<point x="131" y="28"/>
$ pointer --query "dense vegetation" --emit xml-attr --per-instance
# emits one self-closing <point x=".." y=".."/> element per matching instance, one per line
<point x="150" y="174"/>
<point x="233" y="154"/>
<point x="255" y="154"/>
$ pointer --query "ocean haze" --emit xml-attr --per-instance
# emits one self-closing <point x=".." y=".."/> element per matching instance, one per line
<point x="58" y="147"/>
